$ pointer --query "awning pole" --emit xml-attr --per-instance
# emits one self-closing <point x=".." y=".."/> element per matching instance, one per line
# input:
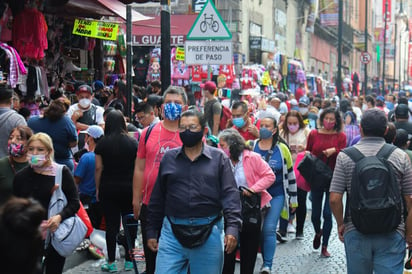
<point x="165" y="70"/>
<point x="129" y="64"/>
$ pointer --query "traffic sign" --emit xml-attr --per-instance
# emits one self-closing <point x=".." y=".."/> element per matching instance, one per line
<point x="208" y="52"/>
<point x="365" y="57"/>
<point x="209" y="25"/>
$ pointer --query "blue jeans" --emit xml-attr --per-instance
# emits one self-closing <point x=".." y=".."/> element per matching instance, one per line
<point x="268" y="242"/>
<point x="317" y="196"/>
<point x="172" y="257"/>
<point x="377" y="253"/>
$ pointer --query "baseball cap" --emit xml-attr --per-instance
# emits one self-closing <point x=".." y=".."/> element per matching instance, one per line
<point x="93" y="131"/>
<point x="304" y="100"/>
<point x="209" y="86"/>
<point x="380" y="98"/>
<point x="402" y="111"/>
<point x="293" y="102"/>
<point x="98" y="85"/>
<point x="84" y="88"/>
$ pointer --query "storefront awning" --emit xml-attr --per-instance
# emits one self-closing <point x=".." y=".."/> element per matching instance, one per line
<point x="147" y="33"/>
<point x="120" y="10"/>
<point x="93" y="9"/>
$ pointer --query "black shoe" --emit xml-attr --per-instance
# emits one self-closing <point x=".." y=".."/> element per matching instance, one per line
<point x="408" y="263"/>
<point x="281" y="238"/>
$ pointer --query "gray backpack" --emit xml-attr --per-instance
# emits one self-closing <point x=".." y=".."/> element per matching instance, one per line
<point x="71" y="231"/>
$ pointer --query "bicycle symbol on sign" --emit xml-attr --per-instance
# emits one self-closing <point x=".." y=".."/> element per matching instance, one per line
<point x="209" y="22"/>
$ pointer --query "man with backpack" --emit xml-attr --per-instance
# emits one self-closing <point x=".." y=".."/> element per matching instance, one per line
<point x="376" y="177"/>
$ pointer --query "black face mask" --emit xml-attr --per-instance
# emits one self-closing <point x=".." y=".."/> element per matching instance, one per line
<point x="190" y="139"/>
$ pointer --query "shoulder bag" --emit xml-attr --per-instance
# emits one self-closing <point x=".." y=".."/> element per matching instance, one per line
<point x="71" y="231"/>
<point x="315" y="171"/>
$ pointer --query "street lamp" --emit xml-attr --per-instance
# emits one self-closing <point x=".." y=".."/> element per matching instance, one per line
<point x="384" y="47"/>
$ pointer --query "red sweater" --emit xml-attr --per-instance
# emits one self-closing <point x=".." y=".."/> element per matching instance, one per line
<point x="318" y="142"/>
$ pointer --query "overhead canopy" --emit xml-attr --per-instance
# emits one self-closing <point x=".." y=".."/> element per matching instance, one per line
<point x="120" y="10"/>
<point x="147" y="33"/>
<point x="93" y="9"/>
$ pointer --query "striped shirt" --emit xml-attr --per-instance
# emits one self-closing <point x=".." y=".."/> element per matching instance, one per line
<point x="344" y="169"/>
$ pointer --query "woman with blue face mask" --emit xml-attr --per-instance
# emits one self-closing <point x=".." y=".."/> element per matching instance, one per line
<point x="283" y="190"/>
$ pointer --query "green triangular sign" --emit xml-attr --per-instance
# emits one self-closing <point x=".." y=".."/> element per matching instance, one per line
<point x="209" y="25"/>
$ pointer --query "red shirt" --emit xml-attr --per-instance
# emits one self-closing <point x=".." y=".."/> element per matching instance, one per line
<point x="318" y="142"/>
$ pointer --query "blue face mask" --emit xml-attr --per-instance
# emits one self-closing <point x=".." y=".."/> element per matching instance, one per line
<point x="238" y="122"/>
<point x="265" y="133"/>
<point x="389" y="105"/>
<point x="172" y="111"/>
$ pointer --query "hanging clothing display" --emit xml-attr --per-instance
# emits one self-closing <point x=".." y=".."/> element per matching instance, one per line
<point x="16" y="69"/>
<point x="30" y="34"/>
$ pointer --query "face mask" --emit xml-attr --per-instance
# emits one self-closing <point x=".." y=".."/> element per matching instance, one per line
<point x="16" y="150"/>
<point x="293" y="128"/>
<point x="85" y="103"/>
<point x="303" y="111"/>
<point x="328" y="125"/>
<point x="239" y="122"/>
<point x="172" y="111"/>
<point x="226" y="151"/>
<point x="389" y="105"/>
<point x="36" y="160"/>
<point x="189" y="138"/>
<point x="265" y="133"/>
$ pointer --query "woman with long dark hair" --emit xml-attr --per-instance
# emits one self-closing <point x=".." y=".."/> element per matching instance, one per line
<point x="283" y="190"/>
<point x="60" y="128"/>
<point x="325" y="143"/>
<point x="115" y="156"/>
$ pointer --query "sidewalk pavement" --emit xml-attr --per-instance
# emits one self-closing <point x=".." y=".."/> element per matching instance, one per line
<point x="292" y="257"/>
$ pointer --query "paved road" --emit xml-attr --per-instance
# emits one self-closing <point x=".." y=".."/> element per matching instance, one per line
<point x="293" y="257"/>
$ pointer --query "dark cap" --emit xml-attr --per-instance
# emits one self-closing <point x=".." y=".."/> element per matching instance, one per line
<point x="209" y="86"/>
<point x="84" y="89"/>
<point x="401" y="111"/>
<point x="5" y="93"/>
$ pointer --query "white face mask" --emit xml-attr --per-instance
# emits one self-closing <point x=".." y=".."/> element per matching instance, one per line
<point x="85" y="103"/>
<point x="303" y="111"/>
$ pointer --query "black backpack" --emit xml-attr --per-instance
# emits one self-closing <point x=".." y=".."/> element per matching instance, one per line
<point x="375" y="198"/>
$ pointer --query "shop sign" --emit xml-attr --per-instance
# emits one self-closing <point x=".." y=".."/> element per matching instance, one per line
<point x="208" y="52"/>
<point x="180" y="54"/>
<point x="197" y="5"/>
<point x="96" y="29"/>
<point x="155" y="40"/>
<point x="255" y="42"/>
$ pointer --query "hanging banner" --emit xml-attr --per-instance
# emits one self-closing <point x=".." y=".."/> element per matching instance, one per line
<point x="96" y="29"/>
<point x="410" y="60"/>
<point x="329" y="10"/>
<point x="312" y="14"/>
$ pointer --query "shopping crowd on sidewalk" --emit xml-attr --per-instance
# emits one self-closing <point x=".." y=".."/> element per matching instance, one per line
<point x="209" y="178"/>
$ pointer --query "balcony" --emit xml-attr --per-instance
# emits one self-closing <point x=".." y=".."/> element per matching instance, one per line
<point x="330" y="34"/>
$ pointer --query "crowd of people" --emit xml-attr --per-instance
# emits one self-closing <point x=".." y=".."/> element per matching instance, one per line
<point x="185" y="168"/>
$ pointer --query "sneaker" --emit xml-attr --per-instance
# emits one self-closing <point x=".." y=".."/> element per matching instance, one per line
<point x="237" y="256"/>
<point x="281" y="237"/>
<point x="128" y="266"/>
<point x="316" y="240"/>
<point x="291" y="228"/>
<point x="96" y="252"/>
<point x="299" y="236"/>
<point x="324" y="253"/>
<point x="264" y="270"/>
<point x="408" y="263"/>
<point x="112" y="268"/>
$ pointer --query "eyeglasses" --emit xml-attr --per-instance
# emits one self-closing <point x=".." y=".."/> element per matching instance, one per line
<point x="192" y="128"/>
<point x="142" y="117"/>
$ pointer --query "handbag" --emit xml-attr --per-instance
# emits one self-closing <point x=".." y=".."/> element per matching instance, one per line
<point x="82" y="213"/>
<point x="71" y="231"/>
<point x="251" y="213"/>
<point x="191" y="236"/>
<point x="315" y="171"/>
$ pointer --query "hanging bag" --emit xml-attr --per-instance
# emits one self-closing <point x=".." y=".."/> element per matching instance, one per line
<point x="251" y="213"/>
<point x="71" y="231"/>
<point x="315" y="171"/>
